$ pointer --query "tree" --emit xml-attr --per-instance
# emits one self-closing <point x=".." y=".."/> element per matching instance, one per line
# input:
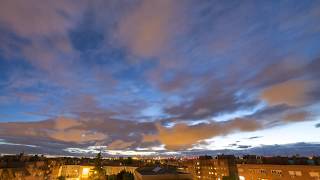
<point x="124" y="175"/>
<point x="128" y="161"/>
<point x="99" y="173"/>
<point x="61" y="178"/>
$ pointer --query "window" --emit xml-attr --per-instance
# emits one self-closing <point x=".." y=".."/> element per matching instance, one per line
<point x="298" y="173"/>
<point x="276" y="172"/>
<point x="314" y="174"/>
<point x="263" y="171"/>
<point x="295" y="173"/>
<point x="85" y="172"/>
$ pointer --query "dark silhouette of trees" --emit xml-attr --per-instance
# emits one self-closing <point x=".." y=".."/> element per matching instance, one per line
<point x="98" y="172"/>
<point x="123" y="175"/>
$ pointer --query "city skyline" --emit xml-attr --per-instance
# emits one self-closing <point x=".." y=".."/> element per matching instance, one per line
<point x="159" y="77"/>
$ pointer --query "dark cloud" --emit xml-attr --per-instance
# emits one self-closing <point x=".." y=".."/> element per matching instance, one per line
<point x="271" y="110"/>
<point x="212" y="100"/>
<point x="244" y="146"/>
<point x="255" y="137"/>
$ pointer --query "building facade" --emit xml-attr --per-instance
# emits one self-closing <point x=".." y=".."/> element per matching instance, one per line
<point x="79" y="172"/>
<point x="206" y="167"/>
<point x="278" y="172"/>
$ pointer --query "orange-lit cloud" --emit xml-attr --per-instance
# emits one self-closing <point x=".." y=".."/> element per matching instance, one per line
<point x="147" y="30"/>
<point x="293" y="93"/>
<point x="62" y="123"/>
<point x="182" y="136"/>
<point x="65" y="130"/>
<point x="34" y="18"/>
<point x="77" y="135"/>
<point x="296" y="116"/>
<point x="119" y="144"/>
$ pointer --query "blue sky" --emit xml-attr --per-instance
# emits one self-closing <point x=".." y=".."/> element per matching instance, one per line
<point x="174" y="75"/>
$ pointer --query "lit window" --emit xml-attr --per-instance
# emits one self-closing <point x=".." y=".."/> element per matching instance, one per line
<point x="295" y="173"/>
<point x="298" y="173"/>
<point x="276" y="172"/>
<point x="314" y="174"/>
<point x="263" y="171"/>
<point x="85" y="172"/>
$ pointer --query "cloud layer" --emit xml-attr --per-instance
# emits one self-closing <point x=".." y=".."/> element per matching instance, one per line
<point x="145" y="74"/>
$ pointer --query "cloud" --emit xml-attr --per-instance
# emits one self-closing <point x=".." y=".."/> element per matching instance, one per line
<point x="77" y="135"/>
<point x="105" y="63"/>
<point x="255" y="137"/>
<point x="2" y="142"/>
<point x="38" y="33"/>
<point x="293" y="93"/>
<point x="63" y="123"/>
<point x="147" y="29"/>
<point x="87" y="129"/>
<point x="296" y="116"/>
<point x="36" y="17"/>
<point x="61" y="129"/>
<point x="119" y="145"/>
<point x="186" y="136"/>
<point x="213" y="99"/>
<point x="244" y="146"/>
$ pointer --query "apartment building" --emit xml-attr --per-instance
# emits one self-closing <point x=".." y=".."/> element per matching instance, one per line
<point x="278" y="172"/>
<point x="207" y="167"/>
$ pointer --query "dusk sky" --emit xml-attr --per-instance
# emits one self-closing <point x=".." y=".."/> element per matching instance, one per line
<point x="148" y="76"/>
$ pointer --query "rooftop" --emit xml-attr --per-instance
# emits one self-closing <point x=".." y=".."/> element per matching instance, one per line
<point x="158" y="170"/>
